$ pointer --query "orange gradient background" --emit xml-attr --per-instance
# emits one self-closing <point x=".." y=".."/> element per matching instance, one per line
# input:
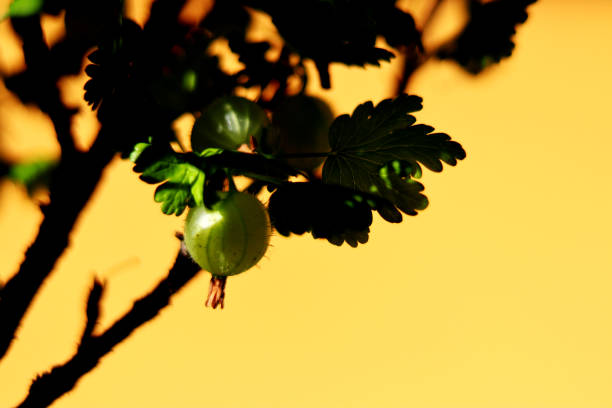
<point x="497" y="295"/>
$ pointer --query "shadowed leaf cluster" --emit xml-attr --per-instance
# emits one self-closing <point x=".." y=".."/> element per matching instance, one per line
<point x="335" y="213"/>
<point x="487" y="37"/>
<point x="345" y="30"/>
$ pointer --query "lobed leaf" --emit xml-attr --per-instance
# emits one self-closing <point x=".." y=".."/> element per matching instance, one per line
<point x="183" y="182"/>
<point x="379" y="149"/>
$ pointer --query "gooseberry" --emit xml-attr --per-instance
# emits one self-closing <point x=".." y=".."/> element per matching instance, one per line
<point x="300" y="126"/>
<point x="230" y="237"/>
<point x="228" y="122"/>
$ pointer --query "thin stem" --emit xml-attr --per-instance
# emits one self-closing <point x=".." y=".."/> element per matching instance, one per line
<point x="254" y="187"/>
<point x="430" y="16"/>
<point x="300" y="155"/>
<point x="230" y="180"/>
<point x="413" y="56"/>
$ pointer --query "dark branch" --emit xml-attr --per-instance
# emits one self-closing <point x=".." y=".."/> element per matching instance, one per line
<point x="73" y="183"/>
<point x="49" y="386"/>
<point x="93" y="310"/>
<point x="74" y="180"/>
<point x="411" y="61"/>
<point x="414" y="57"/>
<point x="38" y="83"/>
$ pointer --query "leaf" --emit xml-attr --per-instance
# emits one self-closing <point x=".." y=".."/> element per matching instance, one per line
<point x="183" y="182"/>
<point x="112" y="63"/>
<point x="379" y="149"/>
<point x="345" y="31"/>
<point x="487" y="37"/>
<point x="335" y="213"/>
<point x="33" y="174"/>
<point x="184" y="174"/>
<point x="397" y="26"/>
<point x="23" y="8"/>
<point x="137" y="151"/>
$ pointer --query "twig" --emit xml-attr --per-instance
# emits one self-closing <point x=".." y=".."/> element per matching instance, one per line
<point x="49" y="386"/>
<point x="93" y="309"/>
<point x="414" y="58"/>
<point x="430" y="16"/>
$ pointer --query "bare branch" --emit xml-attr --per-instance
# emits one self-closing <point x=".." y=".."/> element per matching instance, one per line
<point x="49" y="386"/>
<point x="414" y="57"/>
<point x="93" y="310"/>
<point x="76" y="176"/>
<point x="39" y="82"/>
<point x="67" y="199"/>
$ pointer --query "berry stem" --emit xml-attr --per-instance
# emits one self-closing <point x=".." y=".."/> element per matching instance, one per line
<point x="216" y="292"/>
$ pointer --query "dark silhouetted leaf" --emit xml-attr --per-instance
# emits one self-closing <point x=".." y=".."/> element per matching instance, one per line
<point x="487" y="37"/>
<point x="335" y="213"/>
<point x="345" y="31"/>
<point x="379" y="149"/>
<point x="112" y="64"/>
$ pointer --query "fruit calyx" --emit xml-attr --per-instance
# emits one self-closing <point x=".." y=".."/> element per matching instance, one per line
<point x="216" y="292"/>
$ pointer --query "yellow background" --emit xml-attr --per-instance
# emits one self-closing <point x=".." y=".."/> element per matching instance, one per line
<point x="497" y="295"/>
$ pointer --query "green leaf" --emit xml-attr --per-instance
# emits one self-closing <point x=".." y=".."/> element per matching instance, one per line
<point x="183" y="182"/>
<point x="184" y="174"/>
<point x="137" y="151"/>
<point x="23" y="8"/>
<point x="33" y="174"/>
<point x="379" y="149"/>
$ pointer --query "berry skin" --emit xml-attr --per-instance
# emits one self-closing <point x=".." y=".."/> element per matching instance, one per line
<point x="228" y="122"/>
<point x="299" y="126"/>
<point x="230" y="237"/>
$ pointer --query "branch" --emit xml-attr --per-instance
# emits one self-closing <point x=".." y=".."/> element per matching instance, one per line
<point x="51" y="385"/>
<point x="38" y="83"/>
<point x="75" y="178"/>
<point x="414" y="58"/>
<point x="74" y="182"/>
<point x="93" y="309"/>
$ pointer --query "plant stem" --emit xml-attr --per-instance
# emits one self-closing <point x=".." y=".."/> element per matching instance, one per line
<point x="414" y="58"/>
<point x="230" y="180"/>
<point x="300" y="155"/>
